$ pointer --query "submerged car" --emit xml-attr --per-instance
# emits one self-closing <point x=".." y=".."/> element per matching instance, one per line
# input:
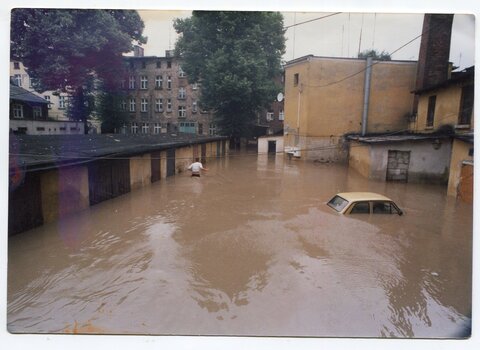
<point x="363" y="203"/>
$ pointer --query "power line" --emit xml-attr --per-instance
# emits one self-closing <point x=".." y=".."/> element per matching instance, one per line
<point x="311" y="20"/>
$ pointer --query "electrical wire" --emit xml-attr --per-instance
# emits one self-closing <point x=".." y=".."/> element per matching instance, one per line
<point x="311" y="20"/>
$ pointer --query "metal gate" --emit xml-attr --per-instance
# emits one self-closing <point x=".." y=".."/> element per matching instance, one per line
<point x="155" y="165"/>
<point x="170" y="161"/>
<point x="397" y="166"/>
<point x="108" y="179"/>
<point x="25" y="205"/>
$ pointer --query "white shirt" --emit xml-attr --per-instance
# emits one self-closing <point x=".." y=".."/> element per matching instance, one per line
<point x="195" y="167"/>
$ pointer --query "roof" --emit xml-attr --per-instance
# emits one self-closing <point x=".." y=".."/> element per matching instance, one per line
<point x="39" y="152"/>
<point x="395" y="138"/>
<point x="457" y="77"/>
<point x="19" y="94"/>
<point x="310" y="57"/>
<point x="363" y="196"/>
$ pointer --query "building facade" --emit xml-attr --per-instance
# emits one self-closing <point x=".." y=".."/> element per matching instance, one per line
<point x="326" y="98"/>
<point x="160" y="98"/>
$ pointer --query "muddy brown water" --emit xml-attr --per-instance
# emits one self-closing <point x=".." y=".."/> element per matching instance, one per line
<point x="249" y="249"/>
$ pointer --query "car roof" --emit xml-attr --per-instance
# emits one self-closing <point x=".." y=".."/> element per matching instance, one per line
<point x="363" y="196"/>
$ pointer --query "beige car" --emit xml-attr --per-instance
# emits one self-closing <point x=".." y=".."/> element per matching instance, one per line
<point x="363" y="203"/>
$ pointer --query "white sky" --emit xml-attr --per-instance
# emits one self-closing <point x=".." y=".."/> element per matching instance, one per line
<point x="337" y="36"/>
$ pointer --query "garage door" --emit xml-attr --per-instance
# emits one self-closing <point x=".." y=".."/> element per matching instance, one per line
<point x="397" y="166"/>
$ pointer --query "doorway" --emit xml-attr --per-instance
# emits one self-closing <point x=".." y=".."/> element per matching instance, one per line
<point x="397" y="166"/>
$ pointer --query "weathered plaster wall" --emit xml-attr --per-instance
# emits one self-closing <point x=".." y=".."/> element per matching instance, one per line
<point x="359" y="158"/>
<point x="263" y="144"/>
<point x="140" y="171"/>
<point x="460" y="151"/>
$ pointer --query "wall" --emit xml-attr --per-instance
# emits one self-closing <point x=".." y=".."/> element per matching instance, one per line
<point x="49" y="127"/>
<point x="426" y="163"/>
<point x="64" y="191"/>
<point x="263" y="144"/>
<point x="183" y="158"/>
<point x="460" y="151"/>
<point x="140" y="171"/>
<point x="359" y="158"/>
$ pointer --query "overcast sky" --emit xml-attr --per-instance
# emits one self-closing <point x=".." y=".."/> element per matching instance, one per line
<point x="339" y="35"/>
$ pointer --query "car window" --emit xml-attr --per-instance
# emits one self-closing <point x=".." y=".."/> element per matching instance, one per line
<point x="337" y="203"/>
<point x="382" y="208"/>
<point x="361" y="208"/>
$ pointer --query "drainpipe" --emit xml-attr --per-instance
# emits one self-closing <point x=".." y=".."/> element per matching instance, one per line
<point x="366" y="95"/>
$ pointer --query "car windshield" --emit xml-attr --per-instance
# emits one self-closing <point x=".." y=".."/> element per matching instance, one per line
<point x="338" y="203"/>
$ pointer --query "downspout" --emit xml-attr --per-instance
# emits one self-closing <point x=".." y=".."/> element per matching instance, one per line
<point x="366" y="95"/>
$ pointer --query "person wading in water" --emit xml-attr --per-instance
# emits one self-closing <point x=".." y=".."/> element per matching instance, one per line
<point x="196" y="167"/>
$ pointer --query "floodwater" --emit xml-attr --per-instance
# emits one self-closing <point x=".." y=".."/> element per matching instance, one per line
<point x="249" y="249"/>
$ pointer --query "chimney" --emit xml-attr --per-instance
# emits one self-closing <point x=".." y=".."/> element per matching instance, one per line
<point x="137" y="51"/>
<point x="433" y="58"/>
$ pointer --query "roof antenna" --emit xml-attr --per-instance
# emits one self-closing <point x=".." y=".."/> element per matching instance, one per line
<point x="360" y="39"/>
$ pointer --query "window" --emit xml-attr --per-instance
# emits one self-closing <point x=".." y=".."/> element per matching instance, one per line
<point x="181" y="73"/>
<point x="37" y="112"/>
<point x="361" y="208"/>
<point x="169" y="82"/>
<point x="182" y="93"/>
<point x="47" y="98"/>
<point x="159" y="104"/>
<point x="194" y="86"/>
<point x="431" y="110"/>
<point x="144" y="64"/>
<point x="212" y="129"/>
<point x="156" y="128"/>
<point x="134" y="128"/>
<point x="182" y="112"/>
<point x="338" y="203"/>
<point x="61" y="102"/>
<point x="159" y="64"/>
<point x="295" y="79"/>
<point x="40" y="128"/>
<point x="131" y="82"/>
<point x="169" y="64"/>
<point x="16" y="65"/>
<point x="194" y="107"/>
<point x="466" y="105"/>
<point x="132" y="105"/>
<point x="143" y="82"/>
<point x="123" y="105"/>
<point x="269" y="116"/>
<point x="17" y="111"/>
<point x="144" y="105"/>
<point x="158" y="82"/>
<point x="281" y="115"/>
<point x="17" y="79"/>
<point x="123" y="82"/>
<point x="384" y="208"/>
<point x="169" y="104"/>
<point x="144" y="128"/>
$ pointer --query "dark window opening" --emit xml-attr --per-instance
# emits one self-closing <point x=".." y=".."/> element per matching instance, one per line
<point x="431" y="110"/>
<point x="470" y="151"/>
<point x="159" y="64"/>
<point x="16" y="65"/>
<point x="361" y="208"/>
<point x="295" y="79"/>
<point x="466" y="105"/>
<point x="169" y="64"/>
<point x="144" y="65"/>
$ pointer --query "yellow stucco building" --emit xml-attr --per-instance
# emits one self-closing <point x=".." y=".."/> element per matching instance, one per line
<point x="326" y="98"/>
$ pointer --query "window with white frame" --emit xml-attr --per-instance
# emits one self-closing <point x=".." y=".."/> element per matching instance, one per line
<point x="144" y="128"/>
<point x="16" y="65"/>
<point x="131" y="82"/>
<point x="132" y="105"/>
<point x="182" y="92"/>
<point x="281" y="115"/>
<point x="17" y="79"/>
<point x="47" y="98"/>
<point x="157" y="128"/>
<point x="269" y="116"/>
<point x="212" y="129"/>
<point x="143" y="82"/>
<point x="61" y="102"/>
<point x="158" y="82"/>
<point x="123" y="105"/>
<point x="17" y="111"/>
<point x="181" y="73"/>
<point x="134" y="128"/>
<point x="169" y="104"/>
<point x="37" y="112"/>
<point x="182" y="112"/>
<point x="144" y="105"/>
<point x="159" y="104"/>
<point x="194" y="86"/>
<point x="194" y="106"/>
<point x="169" y="82"/>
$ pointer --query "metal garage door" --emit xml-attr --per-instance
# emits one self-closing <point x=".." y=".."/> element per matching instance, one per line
<point x="170" y="161"/>
<point x="108" y="179"/>
<point x="397" y="167"/>
<point x="155" y="165"/>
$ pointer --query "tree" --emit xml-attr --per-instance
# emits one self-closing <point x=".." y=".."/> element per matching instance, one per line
<point x="110" y="111"/>
<point x="381" y="56"/>
<point x="63" y="49"/>
<point x="235" y="57"/>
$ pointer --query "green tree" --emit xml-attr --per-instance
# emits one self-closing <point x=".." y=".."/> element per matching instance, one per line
<point x="381" y="56"/>
<point x="64" y="48"/>
<point x="109" y="110"/>
<point x="235" y="57"/>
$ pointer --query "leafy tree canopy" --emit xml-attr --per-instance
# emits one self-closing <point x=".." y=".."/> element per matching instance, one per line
<point x="381" y="56"/>
<point x="235" y="56"/>
<point x="63" y="47"/>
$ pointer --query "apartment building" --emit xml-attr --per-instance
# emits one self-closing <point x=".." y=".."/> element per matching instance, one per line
<point x="160" y="98"/>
